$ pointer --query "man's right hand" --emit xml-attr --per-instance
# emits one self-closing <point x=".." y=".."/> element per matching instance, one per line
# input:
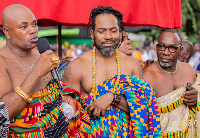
<point x="44" y="64"/>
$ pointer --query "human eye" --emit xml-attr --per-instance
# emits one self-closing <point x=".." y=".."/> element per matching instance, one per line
<point x="114" y="30"/>
<point x="101" y="31"/>
<point x="35" y="24"/>
<point x="23" y="26"/>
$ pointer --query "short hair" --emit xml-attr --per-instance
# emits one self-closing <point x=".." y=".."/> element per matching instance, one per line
<point x="174" y="32"/>
<point x="105" y="10"/>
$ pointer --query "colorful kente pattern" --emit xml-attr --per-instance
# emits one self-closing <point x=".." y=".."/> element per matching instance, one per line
<point x="193" y="110"/>
<point x="144" y="120"/>
<point x="44" y="118"/>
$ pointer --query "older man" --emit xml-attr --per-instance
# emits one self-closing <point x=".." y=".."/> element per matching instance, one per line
<point x="169" y="78"/>
<point x="33" y="100"/>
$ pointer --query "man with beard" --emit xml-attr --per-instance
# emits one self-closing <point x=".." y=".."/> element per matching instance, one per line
<point x="105" y="80"/>
<point x="177" y="101"/>
<point x="27" y="87"/>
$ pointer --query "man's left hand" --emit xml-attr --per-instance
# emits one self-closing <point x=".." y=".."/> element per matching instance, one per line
<point x="100" y="105"/>
<point x="190" y="97"/>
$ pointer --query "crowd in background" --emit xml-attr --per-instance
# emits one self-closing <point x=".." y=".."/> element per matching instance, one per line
<point x="142" y="53"/>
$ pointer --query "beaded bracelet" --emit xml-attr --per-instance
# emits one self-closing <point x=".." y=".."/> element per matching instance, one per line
<point x="116" y="99"/>
<point x="23" y="95"/>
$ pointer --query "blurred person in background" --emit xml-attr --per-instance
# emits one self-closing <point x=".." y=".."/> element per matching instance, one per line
<point x="195" y="59"/>
<point x="125" y="46"/>
<point x="75" y="51"/>
<point x="137" y="54"/>
<point x="148" y="52"/>
<point x="187" y="51"/>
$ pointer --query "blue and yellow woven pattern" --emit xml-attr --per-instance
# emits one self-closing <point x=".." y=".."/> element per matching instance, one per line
<point x="144" y="120"/>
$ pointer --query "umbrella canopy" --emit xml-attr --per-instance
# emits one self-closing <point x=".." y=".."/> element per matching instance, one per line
<point x="160" y="13"/>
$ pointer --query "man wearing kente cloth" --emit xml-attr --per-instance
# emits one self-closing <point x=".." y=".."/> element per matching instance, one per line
<point x="34" y="102"/>
<point x="178" y="103"/>
<point x="119" y="102"/>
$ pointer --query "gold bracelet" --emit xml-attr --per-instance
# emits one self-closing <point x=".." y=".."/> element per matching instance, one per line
<point x="23" y="95"/>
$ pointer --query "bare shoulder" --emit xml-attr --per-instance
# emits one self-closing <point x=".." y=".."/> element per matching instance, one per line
<point x="150" y="73"/>
<point x="75" y="68"/>
<point x="132" y="64"/>
<point x="4" y="57"/>
<point x="186" y="69"/>
<point x="5" y="81"/>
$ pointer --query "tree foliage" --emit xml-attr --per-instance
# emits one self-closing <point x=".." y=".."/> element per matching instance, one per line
<point x="190" y="21"/>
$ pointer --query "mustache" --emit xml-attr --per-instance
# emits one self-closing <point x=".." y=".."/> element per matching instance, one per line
<point x="108" y="41"/>
<point x="34" y="36"/>
<point x="166" y="56"/>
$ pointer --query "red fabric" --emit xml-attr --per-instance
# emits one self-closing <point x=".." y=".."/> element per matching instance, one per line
<point x="160" y="13"/>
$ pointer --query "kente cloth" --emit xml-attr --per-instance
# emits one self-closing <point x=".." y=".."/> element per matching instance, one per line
<point x="4" y="120"/>
<point x="146" y="63"/>
<point x="44" y="117"/>
<point x="177" y="119"/>
<point x="144" y="119"/>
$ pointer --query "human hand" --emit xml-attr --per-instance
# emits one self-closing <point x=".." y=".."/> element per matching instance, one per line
<point x="190" y="97"/>
<point x="99" y="106"/>
<point x="68" y="99"/>
<point x="44" y="64"/>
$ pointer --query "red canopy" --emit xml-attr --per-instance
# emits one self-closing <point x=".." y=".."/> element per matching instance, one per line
<point x="160" y="13"/>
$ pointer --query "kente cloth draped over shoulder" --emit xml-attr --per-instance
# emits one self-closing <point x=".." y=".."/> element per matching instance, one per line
<point x="44" y="118"/>
<point x="4" y="120"/>
<point x="177" y="120"/>
<point x="144" y="120"/>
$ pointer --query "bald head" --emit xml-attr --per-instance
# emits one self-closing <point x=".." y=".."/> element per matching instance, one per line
<point x="187" y="51"/>
<point x="13" y="12"/>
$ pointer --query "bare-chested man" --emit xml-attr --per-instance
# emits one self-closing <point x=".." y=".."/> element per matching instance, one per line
<point x="94" y="75"/>
<point x="169" y="78"/>
<point x="34" y="106"/>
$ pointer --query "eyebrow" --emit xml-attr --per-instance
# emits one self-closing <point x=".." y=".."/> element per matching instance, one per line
<point x="109" y="28"/>
<point x="34" y="21"/>
<point x="170" y="44"/>
<point x="24" y="23"/>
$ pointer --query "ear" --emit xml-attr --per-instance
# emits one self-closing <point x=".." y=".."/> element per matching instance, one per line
<point x="6" y="32"/>
<point x="92" y="34"/>
<point x="181" y="50"/>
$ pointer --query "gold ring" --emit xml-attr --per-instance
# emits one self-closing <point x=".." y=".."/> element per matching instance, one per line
<point x="55" y="60"/>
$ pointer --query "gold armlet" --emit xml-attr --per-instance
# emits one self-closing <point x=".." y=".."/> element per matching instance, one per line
<point x="23" y="95"/>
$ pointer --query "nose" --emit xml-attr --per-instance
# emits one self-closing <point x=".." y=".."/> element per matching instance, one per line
<point x="108" y="35"/>
<point x="166" y="51"/>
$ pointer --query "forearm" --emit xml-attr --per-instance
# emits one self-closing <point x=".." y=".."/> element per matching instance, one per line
<point x="13" y="101"/>
<point x="123" y="105"/>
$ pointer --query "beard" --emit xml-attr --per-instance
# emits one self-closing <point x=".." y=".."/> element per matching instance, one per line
<point x="165" y="64"/>
<point x="107" y="51"/>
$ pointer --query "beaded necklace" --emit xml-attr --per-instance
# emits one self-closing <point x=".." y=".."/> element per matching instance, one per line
<point x="165" y="70"/>
<point x="94" y="71"/>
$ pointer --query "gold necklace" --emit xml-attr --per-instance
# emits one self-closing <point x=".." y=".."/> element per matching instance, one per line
<point x="165" y="70"/>
<point x="94" y="71"/>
